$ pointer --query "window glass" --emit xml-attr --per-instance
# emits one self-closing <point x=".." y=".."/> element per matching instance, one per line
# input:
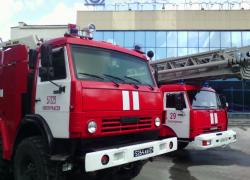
<point x="182" y="51"/>
<point x="236" y="39"/>
<point x="215" y="39"/>
<point x="119" y="38"/>
<point x="150" y="49"/>
<point x="58" y="63"/>
<point x="129" y="38"/>
<point x="98" y="35"/>
<point x="203" y="49"/>
<point x="140" y="38"/>
<point x="171" y="52"/>
<point x="182" y="39"/>
<point x="161" y="39"/>
<point x="246" y="101"/>
<point x="203" y="39"/>
<point x="150" y="38"/>
<point x="226" y="39"/>
<point x="237" y="100"/>
<point x="203" y="99"/>
<point x="92" y="63"/>
<point x="109" y="36"/>
<point x="170" y="100"/>
<point x="171" y="39"/>
<point x="193" y="39"/>
<point x="192" y="50"/>
<point x="246" y="38"/>
<point x="160" y="53"/>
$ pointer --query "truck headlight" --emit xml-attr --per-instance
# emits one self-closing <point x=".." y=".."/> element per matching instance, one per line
<point x="157" y="122"/>
<point x="92" y="127"/>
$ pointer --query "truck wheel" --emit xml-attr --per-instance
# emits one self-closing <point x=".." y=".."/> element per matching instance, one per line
<point x="32" y="163"/>
<point x="182" y="145"/>
<point x="4" y="165"/>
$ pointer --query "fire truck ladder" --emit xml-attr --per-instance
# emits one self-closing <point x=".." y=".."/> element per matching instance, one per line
<point x="31" y="42"/>
<point x="210" y="65"/>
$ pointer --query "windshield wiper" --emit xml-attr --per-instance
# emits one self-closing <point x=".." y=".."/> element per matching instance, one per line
<point x="114" y="77"/>
<point x="206" y="107"/>
<point x="140" y="81"/>
<point x="133" y="82"/>
<point x="96" y="76"/>
<point x="92" y="75"/>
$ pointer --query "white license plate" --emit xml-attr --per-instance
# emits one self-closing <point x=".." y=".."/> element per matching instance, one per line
<point x="141" y="152"/>
<point x="223" y="139"/>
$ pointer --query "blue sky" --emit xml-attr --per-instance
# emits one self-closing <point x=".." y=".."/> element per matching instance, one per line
<point x="48" y="12"/>
<point x="37" y="12"/>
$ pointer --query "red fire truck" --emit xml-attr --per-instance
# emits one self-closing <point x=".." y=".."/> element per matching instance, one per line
<point x="71" y="103"/>
<point x="193" y="112"/>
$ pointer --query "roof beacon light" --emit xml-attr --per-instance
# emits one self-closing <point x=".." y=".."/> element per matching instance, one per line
<point x="206" y="84"/>
<point x="89" y="29"/>
<point x="137" y="47"/>
<point x="181" y="81"/>
<point x="72" y="29"/>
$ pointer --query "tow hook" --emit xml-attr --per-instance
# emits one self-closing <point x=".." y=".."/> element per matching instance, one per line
<point x="224" y="145"/>
<point x="151" y="159"/>
<point x="128" y="166"/>
<point x="67" y="167"/>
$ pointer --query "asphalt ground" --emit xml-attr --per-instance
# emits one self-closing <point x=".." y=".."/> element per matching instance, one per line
<point x="229" y="163"/>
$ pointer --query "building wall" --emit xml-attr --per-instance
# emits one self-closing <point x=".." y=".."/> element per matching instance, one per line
<point x="45" y="32"/>
<point x="166" y="20"/>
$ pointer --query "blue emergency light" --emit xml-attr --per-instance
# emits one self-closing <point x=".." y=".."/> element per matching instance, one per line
<point x="74" y="31"/>
<point x="206" y="84"/>
<point x="181" y="81"/>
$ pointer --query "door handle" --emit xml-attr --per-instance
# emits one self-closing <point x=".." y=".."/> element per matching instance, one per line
<point x="37" y="100"/>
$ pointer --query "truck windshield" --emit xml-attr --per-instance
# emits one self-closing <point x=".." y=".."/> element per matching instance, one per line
<point x="96" y="64"/>
<point x="203" y="99"/>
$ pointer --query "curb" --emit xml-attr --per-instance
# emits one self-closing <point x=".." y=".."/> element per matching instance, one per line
<point x="238" y="123"/>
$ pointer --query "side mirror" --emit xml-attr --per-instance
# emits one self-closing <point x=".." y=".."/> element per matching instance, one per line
<point x="224" y="102"/>
<point x="46" y="55"/>
<point x="44" y="72"/>
<point x="178" y="101"/>
<point x="32" y="58"/>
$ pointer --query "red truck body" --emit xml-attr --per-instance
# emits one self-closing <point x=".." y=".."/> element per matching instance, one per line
<point x="90" y="118"/>
<point x="202" y="115"/>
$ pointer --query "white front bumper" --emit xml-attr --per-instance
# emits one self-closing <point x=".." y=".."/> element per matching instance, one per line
<point x="218" y="139"/>
<point x="123" y="155"/>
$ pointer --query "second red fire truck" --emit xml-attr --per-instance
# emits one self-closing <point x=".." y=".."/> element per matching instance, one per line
<point x="193" y="112"/>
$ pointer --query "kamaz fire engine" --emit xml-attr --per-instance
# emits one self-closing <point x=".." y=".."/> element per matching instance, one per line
<point x="193" y="112"/>
<point x="71" y="103"/>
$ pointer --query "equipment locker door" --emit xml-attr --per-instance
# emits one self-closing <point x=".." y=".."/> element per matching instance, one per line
<point x="52" y="106"/>
<point x="177" y="120"/>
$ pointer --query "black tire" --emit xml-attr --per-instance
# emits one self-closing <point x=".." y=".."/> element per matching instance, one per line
<point x="32" y="163"/>
<point x="5" y="174"/>
<point x="182" y="145"/>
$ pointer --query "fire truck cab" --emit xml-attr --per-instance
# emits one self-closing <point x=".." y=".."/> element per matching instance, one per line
<point x="72" y="102"/>
<point x="195" y="113"/>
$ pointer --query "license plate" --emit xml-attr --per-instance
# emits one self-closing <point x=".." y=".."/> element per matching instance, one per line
<point x="141" y="152"/>
<point x="213" y="128"/>
<point x="223" y="139"/>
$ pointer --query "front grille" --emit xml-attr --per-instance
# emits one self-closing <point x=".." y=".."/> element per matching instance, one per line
<point x="114" y="125"/>
<point x="207" y="130"/>
<point x="204" y="130"/>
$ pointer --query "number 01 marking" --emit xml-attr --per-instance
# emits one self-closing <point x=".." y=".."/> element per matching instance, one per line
<point x="172" y="115"/>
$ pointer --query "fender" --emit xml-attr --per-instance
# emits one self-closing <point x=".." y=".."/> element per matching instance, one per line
<point x="5" y="141"/>
<point x="166" y="131"/>
<point x="35" y="125"/>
